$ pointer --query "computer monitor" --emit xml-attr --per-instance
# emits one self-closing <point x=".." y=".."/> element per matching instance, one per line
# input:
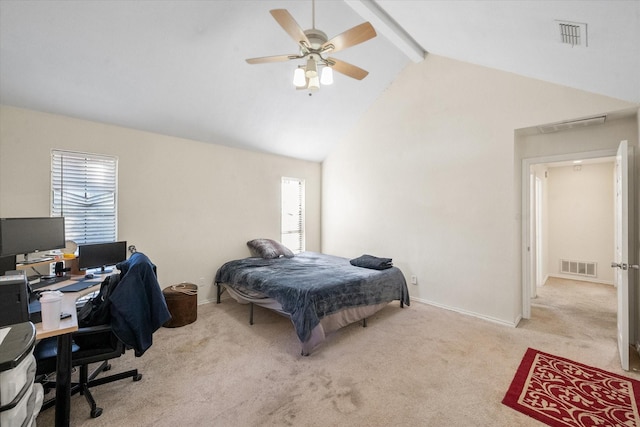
<point x="101" y="255"/>
<point x="7" y="263"/>
<point x="22" y="236"/>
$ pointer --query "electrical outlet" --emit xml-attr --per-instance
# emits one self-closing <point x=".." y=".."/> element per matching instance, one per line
<point x="414" y="280"/>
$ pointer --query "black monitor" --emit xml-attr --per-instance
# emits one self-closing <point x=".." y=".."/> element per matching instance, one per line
<point x="7" y="263"/>
<point x="101" y="255"/>
<point x="22" y="236"/>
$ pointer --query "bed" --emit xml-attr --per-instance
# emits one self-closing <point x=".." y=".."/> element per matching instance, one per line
<point x="320" y="293"/>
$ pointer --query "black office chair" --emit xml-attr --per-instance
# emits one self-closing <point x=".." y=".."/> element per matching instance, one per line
<point x="134" y="288"/>
<point x="111" y="348"/>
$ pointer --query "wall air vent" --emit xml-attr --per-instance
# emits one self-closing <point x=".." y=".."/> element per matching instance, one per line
<point x="572" y="124"/>
<point x="579" y="268"/>
<point x="573" y="33"/>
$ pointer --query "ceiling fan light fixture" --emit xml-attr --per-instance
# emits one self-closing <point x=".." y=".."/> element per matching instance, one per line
<point x="326" y="77"/>
<point x="311" y="68"/>
<point x="314" y="84"/>
<point x="299" y="79"/>
<point x="312" y="45"/>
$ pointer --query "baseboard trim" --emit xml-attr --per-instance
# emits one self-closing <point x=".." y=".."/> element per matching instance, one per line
<point x="545" y="280"/>
<point x="469" y="313"/>
<point x="223" y="297"/>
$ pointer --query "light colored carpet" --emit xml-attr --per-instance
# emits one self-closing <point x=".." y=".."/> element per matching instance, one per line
<point x="418" y="366"/>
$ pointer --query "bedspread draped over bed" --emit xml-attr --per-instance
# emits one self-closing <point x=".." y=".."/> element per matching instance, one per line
<point x="311" y="285"/>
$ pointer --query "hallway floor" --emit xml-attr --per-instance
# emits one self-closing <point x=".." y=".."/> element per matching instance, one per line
<point x="578" y="309"/>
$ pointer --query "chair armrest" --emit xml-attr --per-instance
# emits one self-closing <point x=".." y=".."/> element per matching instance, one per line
<point x="92" y="330"/>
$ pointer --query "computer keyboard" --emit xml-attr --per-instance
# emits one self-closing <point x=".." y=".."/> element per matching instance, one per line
<point x="54" y="280"/>
<point x="41" y="282"/>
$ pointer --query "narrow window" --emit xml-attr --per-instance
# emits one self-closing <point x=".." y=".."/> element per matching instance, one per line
<point x="84" y="191"/>
<point x="292" y="227"/>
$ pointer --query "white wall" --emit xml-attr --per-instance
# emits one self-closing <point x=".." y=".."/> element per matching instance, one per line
<point x="581" y="218"/>
<point x="190" y="206"/>
<point x="430" y="177"/>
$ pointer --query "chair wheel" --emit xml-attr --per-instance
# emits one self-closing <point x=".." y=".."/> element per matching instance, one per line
<point x="95" y="413"/>
<point x="137" y="377"/>
<point x="106" y="368"/>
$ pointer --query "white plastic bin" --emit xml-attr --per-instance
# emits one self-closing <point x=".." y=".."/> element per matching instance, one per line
<point x="34" y="405"/>
<point x="13" y="380"/>
<point x="19" y="398"/>
<point x="17" y="416"/>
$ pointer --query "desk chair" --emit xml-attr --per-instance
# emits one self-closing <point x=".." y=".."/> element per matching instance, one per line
<point x="110" y="348"/>
<point x="136" y="309"/>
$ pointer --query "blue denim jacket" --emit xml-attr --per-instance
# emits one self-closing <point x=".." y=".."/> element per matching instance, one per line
<point x="138" y="307"/>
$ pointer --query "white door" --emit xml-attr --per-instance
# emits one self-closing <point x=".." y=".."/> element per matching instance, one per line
<point x="538" y="219"/>
<point x="621" y="262"/>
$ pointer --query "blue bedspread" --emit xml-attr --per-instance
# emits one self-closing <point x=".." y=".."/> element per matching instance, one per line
<point x="311" y="285"/>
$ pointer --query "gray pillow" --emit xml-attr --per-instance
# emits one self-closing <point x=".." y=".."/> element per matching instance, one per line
<point x="268" y="249"/>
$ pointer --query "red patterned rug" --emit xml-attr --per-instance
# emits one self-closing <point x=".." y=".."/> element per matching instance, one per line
<point x="560" y="392"/>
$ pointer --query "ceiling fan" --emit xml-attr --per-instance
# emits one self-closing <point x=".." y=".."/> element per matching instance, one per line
<point x="313" y="47"/>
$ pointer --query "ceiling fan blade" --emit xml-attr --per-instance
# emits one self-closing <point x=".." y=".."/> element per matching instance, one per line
<point x="348" y="69"/>
<point x="356" y="35"/>
<point x="286" y="21"/>
<point x="267" y="59"/>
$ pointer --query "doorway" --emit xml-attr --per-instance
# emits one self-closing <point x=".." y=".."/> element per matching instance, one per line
<point x="534" y="255"/>
<point x="572" y="211"/>
<point x="530" y="262"/>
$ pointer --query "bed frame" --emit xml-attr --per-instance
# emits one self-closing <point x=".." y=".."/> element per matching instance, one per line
<point x="319" y="293"/>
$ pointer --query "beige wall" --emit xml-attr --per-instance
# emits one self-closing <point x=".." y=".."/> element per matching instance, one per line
<point x="581" y="218"/>
<point x="190" y="206"/>
<point x="430" y="177"/>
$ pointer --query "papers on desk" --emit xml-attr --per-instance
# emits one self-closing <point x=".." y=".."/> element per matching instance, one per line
<point x="3" y="333"/>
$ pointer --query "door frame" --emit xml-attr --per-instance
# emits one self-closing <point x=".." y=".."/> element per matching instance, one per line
<point x="537" y="230"/>
<point x="528" y="257"/>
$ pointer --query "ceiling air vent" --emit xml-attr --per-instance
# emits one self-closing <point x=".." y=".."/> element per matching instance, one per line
<point x="573" y="33"/>
<point x="573" y="124"/>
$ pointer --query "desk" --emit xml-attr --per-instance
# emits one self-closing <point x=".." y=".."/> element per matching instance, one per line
<point x="63" y="360"/>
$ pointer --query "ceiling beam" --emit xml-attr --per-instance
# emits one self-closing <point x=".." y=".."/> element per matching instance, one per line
<point x="386" y="25"/>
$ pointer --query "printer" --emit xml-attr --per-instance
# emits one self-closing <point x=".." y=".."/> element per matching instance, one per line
<point x="14" y="298"/>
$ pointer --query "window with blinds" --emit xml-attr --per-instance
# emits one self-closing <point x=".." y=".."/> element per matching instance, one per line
<point x="84" y="192"/>
<point x="292" y="227"/>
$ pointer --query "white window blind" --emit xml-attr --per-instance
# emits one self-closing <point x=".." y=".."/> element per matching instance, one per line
<point x="84" y="191"/>
<point x="292" y="227"/>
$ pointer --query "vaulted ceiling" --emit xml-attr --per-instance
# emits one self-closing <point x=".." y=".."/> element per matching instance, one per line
<point x="178" y="67"/>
